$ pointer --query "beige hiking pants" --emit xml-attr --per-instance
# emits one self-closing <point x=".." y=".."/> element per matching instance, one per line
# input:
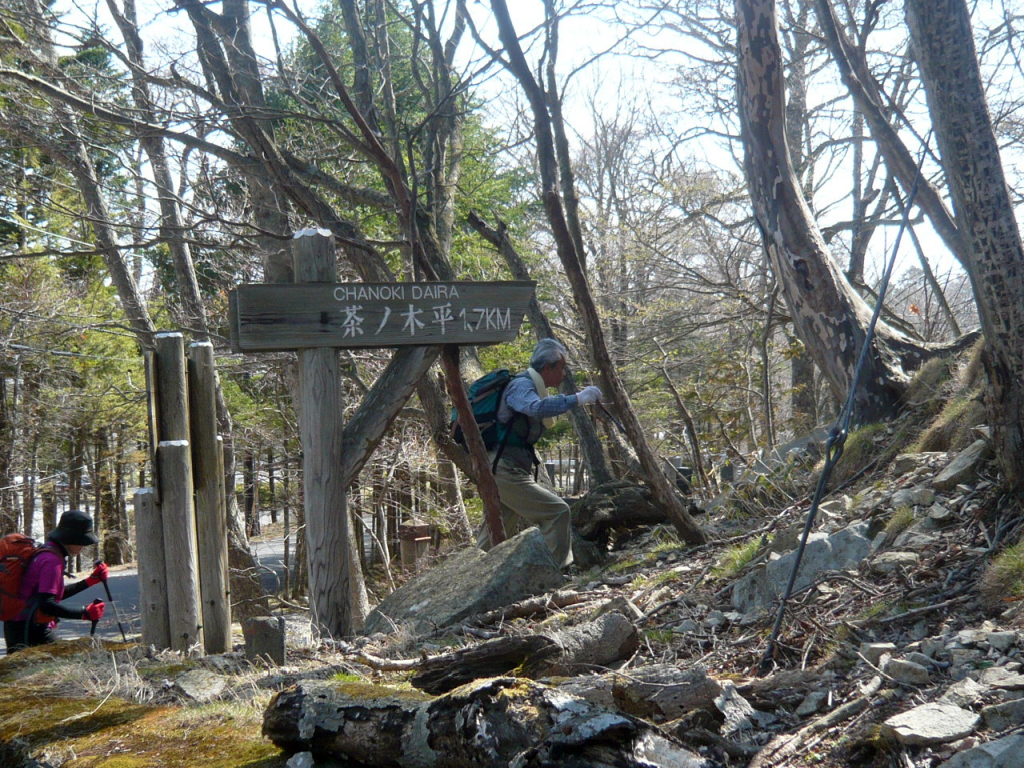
<point x="524" y="499"/>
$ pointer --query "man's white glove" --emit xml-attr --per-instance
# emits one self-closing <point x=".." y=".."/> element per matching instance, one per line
<point x="588" y="395"/>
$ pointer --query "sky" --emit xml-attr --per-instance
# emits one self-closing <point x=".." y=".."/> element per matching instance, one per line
<point x="581" y="37"/>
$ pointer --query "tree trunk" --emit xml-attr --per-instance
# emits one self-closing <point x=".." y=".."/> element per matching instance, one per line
<point x="828" y="315"/>
<point x="250" y="494"/>
<point x="941" y="34"/>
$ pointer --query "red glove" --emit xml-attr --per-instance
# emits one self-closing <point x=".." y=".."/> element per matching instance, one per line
<point x="99" y="573"/>
<point x="94" y="611"/>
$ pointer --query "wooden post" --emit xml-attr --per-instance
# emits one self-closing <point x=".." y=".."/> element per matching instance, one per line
<point x="328" y="528"/>
<point x="183" y="602"/>
<point x="211" y="514"/>
<point x="477" y="451"/>
<point x="149" y="546"/>
<point x="172" y="387"/>
<point x="177" y="511"/>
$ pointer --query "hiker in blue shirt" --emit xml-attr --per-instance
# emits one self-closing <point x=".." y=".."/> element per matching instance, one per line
<point x="523" y="485"/>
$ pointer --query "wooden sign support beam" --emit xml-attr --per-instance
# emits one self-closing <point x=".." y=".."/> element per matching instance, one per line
<point x="328" y="528"/>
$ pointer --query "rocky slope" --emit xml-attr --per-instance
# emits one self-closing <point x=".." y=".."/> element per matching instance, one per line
<point x="900" y="645"/>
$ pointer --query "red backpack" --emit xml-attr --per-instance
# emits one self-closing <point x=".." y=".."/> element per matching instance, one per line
<point x="15" y="552"/>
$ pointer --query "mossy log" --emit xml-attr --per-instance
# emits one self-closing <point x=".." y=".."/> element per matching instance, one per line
<point x="495" y="722"/>
<point x="596" y="643"/>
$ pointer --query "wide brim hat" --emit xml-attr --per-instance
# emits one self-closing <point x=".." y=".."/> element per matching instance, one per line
<point x="75" y="528"/>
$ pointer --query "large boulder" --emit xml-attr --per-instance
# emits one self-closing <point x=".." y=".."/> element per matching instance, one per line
<point x="468" y="583"/>
<point x="823" y="552"/>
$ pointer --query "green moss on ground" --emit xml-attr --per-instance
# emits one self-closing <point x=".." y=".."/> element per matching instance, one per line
<point x="48" y="716"/>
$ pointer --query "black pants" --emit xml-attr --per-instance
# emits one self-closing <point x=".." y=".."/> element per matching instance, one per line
<point x="38" y="634"/>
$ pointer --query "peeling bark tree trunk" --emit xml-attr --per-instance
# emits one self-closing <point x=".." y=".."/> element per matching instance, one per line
<point x="940" y="31"/>
<point x="828" y="315"/>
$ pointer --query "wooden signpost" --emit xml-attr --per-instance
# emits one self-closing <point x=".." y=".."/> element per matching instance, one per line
<point x="266" y="318"/>
<point x="316" y="315"/>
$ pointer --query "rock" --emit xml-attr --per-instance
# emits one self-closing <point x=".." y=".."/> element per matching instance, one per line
<point x="264" y="638"/>
<point x="739" y="715"/>
<point x="921" y="496"/>
<point x="963" y="467"/>
<point x="301" y="760"/>
<point x="906" y="672"/>
<point x="964" y="693"/>
<point x="812" y="703"/>
<point x="1002" y="641"/>
<point x="969" y="637"/>
<point x="873" y="651"/>
<point x="468" y="583"/>
<point x="1001" y="677"/>
<point x="940" y="515"/>
<point x="836" y="507"/>
<point x="659" y="690"/>
<point x="934" y="647"/>
<point x="1002" y="753"/>
<point x="890" y="562"/>
<point x="919" y="658"/>
<point x="199" y="685"/>
<point x="823" y="552"/>
<point x="914" y="539"/>
<point x="931" y="724"/>
<point x="999" y="717"/>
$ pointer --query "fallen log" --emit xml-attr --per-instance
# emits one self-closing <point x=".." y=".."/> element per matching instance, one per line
<point x="495" y="722"/>
<point x="606" y="639"/>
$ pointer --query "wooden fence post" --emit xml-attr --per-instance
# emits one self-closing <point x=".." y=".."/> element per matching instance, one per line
<point x="211" y="515"/>
<point x="177" y="511"/>
<point x="328" y="528"/>
<point x="183" y="603"/>
<point x="149" y="547"/>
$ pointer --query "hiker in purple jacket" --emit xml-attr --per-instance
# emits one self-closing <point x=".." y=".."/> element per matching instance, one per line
<point x="42" y="585"/>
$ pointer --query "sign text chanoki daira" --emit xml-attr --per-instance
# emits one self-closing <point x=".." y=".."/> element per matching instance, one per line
<point x="395" y="292"/>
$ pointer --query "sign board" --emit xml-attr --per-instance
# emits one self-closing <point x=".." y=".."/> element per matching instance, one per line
<point x="270" y="317"/>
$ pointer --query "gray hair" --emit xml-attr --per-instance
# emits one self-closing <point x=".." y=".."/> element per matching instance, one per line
<point x="547" y="353"/>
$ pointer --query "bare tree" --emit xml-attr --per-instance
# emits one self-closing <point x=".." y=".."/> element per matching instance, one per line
<point x="943" y="45"/>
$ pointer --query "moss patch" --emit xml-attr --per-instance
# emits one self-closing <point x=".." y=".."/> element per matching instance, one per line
<point x="48" y="715"/>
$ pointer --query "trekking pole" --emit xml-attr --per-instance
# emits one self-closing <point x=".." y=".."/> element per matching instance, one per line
<point x="110" y="599"/>
<point x="92" y="629"/>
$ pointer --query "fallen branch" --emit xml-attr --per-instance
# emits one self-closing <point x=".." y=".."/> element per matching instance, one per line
<point x="531" y="607"/>
<point x="862" y="623"/>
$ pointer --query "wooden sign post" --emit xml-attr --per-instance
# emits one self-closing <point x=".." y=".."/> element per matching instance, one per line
<point x="316" y="316"/>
